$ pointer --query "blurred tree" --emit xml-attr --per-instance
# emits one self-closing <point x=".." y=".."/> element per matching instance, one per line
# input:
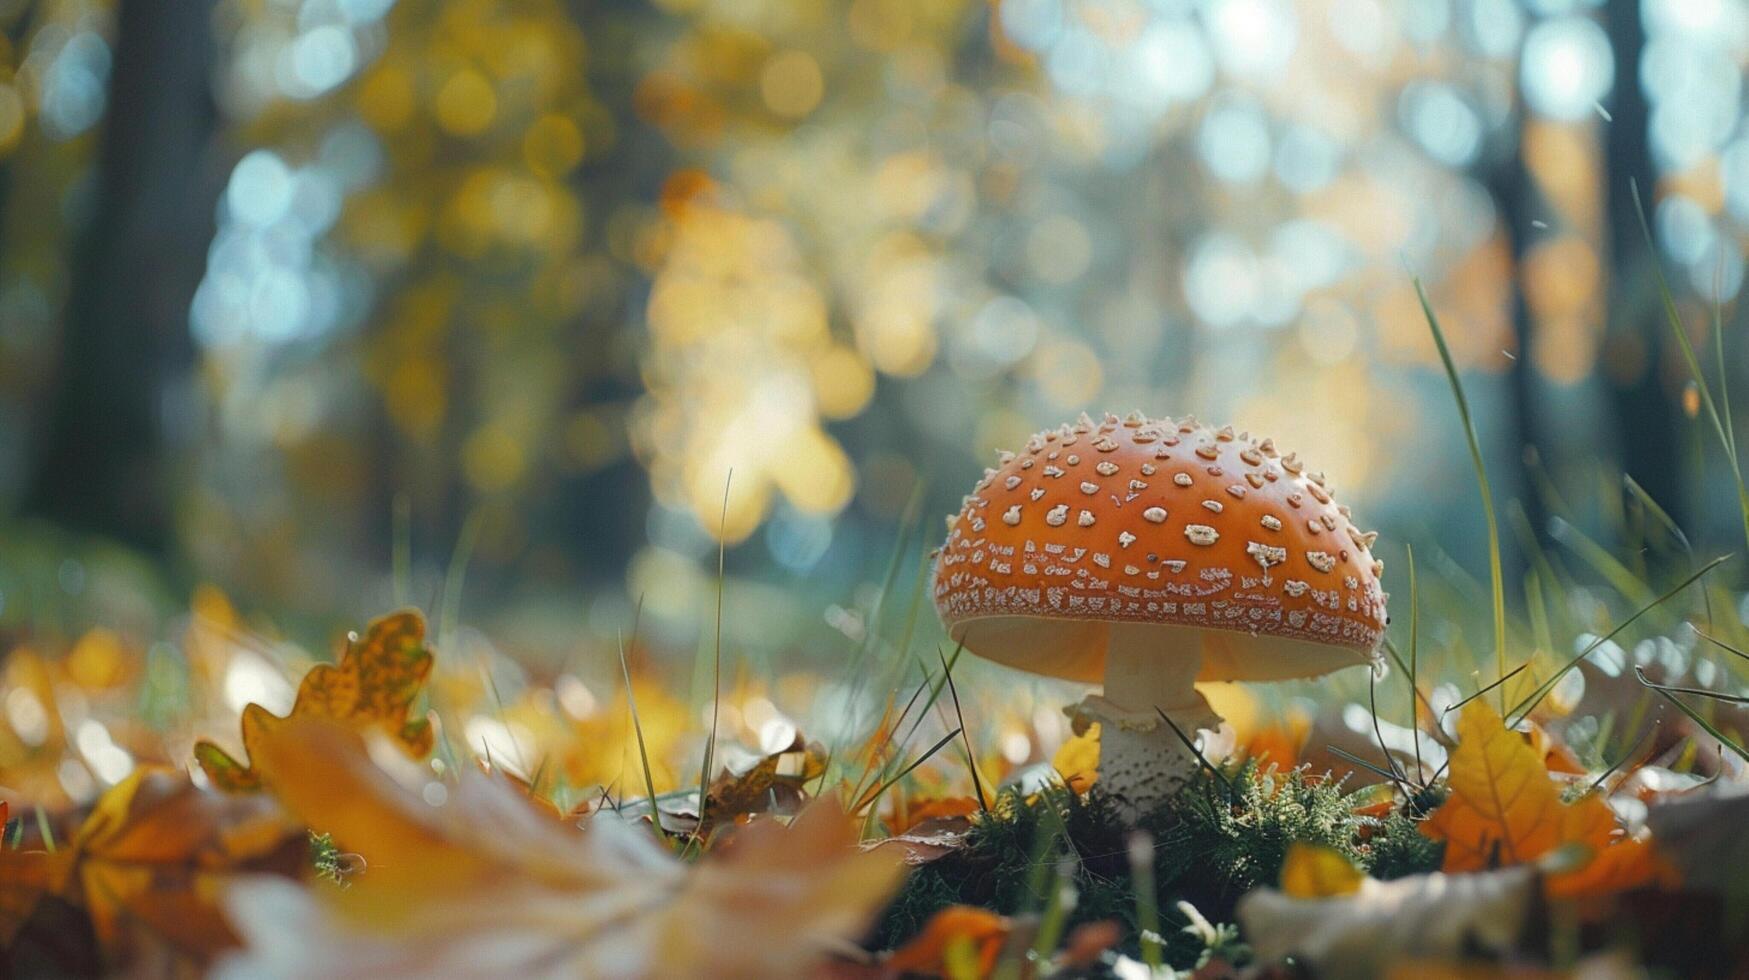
<point x="103" y="463"/>
<point x="1645" y="413"/>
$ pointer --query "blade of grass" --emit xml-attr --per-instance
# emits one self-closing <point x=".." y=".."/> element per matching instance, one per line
<point x="1701" y="692"/>
<point x="1058" y="907"/>
<point x="971" y="757"/>
<point x="1619" y="577"/>
<point x="1372" y="690"/>
<point x="1725" y="432"/>
<point x="1403" y="666"/>
<point x="449" y="607"/>
<point x="1542" y="690"/>
<point x="710" y="745"/>
<point x="1414" y="662"/>
<point x="401" y="557"/>
<point x="1141" y="854"/>
<point x="1496" y="576"/>
<point x="1357" y="760"/>
<point x="883" y="787"/>
<point x="1721" y="644"/>
<point x="46" y="829"/>
<point x="1629" y="754"/>
<point x="1514" y="672"/>
<point x="1657" y="513"/>
<point x="638" y="725"/>
<point x="1705" y="725"/>
<point x="1231" y="791"/>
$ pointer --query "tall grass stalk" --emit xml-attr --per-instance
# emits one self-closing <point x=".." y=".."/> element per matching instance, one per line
<point x="1496" y="576"/>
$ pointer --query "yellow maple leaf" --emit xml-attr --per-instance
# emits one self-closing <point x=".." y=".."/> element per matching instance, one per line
<point x="372" y="687"/>
<point x="1504" y="809"/>
<point x="1315" y="871"/>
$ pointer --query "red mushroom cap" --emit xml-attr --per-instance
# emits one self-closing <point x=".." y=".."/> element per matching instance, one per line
<point x="1159" y="521"/>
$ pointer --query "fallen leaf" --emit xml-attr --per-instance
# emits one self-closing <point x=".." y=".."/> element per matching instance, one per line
<point x="907" y="816"/>
<point x="372" y="687"/>
<point x="26" y="877"/>
<point x="1384" y="922"/>
<point x="33" y="737"/>
<point x="773" y="784"/>
<point x="968" y="934"/>
<point x="1077" y="760"/>
<point x="1556" y="756"/>
<point x="156" y="851"/>
<point x="1315" y="871"/>
<point x="489" y="885"/>
<point x="927" y="842"/>
<point x="1621" y="866"/>
<point x="1505" y="809"/>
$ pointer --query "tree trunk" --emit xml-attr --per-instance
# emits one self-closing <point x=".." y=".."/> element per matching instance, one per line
<point x="1515" y="196"/>
<point x="101" y="463"/>
<point x="1645" y="415"/>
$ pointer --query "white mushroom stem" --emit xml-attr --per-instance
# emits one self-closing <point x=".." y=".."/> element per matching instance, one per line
<point x="1148" y="670"/>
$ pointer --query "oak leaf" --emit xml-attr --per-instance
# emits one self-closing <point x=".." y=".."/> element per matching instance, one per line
<point x="372" y="687"/>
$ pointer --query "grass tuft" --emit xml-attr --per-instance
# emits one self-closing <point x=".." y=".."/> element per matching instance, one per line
<point x="1210" y="846"/>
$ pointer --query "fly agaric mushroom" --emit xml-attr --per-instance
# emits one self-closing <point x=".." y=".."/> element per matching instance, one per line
<point x="1149" y="554"/>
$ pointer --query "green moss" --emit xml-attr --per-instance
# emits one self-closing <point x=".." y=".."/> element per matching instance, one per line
<point x="1212" y="844"/>
<point x="325" y="858"/>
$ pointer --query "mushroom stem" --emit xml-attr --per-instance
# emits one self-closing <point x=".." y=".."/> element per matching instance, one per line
<point x="1142" y="762"/>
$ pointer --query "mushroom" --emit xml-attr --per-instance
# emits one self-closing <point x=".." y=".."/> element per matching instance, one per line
<point x="1149" y="554"/>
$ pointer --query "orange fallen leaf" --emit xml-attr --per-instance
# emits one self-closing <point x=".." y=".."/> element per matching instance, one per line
<point x="1504" y="809"/>
<point x="1554" y="753"/>
<point x="155" y="852"/>
<point x="963" y="933"/>
<point x="1278" y="744"/>
<point x="1624" y="865"/>
<point x="1315" y="871"/>
<point x="486" y="884"/>
<point x="372" y="687"/>
<point x="907" y="815"/>
<point x="25" y="878"/>
<point x="1077" y="760"/>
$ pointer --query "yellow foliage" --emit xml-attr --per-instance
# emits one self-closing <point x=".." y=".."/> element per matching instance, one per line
<point x="1315" y="871"/>
<point x="372" y="687"/>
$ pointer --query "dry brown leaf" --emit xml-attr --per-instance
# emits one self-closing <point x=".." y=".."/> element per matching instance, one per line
<point x="155" y="852"/>
<point x="372" y="687"/>
<point x="488" y="885"/>
<point x="773" y="784"/>
<point x="956" y="934"/>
